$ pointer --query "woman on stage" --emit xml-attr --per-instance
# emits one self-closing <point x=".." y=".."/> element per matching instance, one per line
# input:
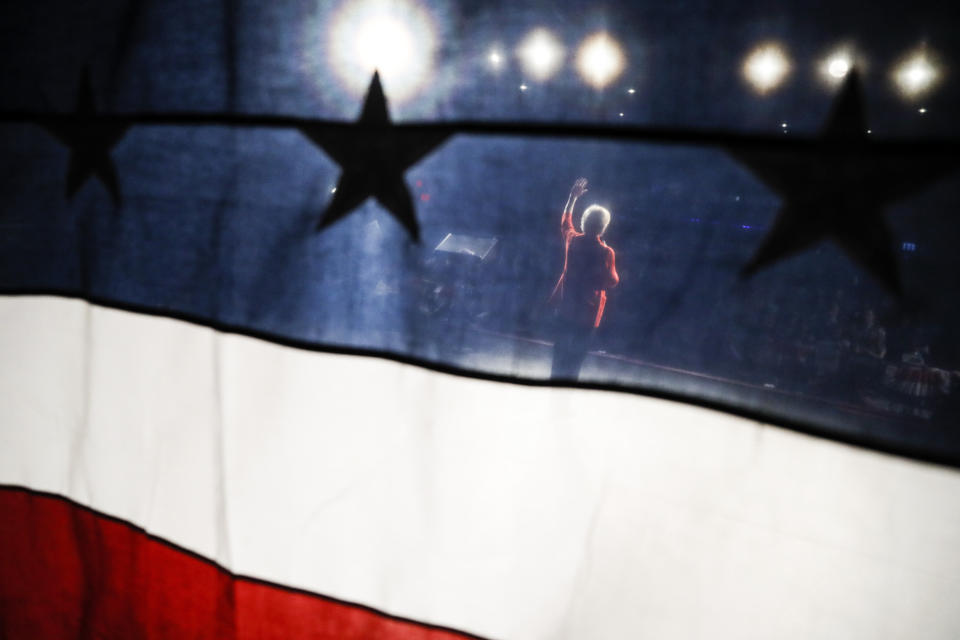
<point x="589" y="269"/>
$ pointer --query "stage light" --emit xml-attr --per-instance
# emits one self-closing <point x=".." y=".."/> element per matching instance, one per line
<point x="838" y="67"/>
<point x="541" y="54"/>
<point x="766" y="67"/>
<point x="838" y="63"/>
<point x="394" y="37"/>
<point x="916" y="74"/>
<point x="600" y="60"/>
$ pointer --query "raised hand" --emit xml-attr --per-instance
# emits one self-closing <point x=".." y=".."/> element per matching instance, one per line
<point x="579" y="188"/>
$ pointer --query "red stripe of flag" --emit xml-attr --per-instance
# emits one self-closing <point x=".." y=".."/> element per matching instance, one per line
<point x="66" y="571"/>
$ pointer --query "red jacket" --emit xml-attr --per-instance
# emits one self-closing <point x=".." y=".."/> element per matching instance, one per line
<point x="589" y="269"/>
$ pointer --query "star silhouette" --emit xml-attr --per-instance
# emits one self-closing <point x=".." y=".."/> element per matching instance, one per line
<point x="838" y="190"/>
<point x="90" y="143"/>
<point x="373" y="155"/>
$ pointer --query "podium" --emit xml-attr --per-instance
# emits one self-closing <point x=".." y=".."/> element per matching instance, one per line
<point x="455" y="274"/>
<point x="472" y="246"/>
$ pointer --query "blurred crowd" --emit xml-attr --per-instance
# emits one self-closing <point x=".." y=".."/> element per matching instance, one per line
<point x="841" y="349"/>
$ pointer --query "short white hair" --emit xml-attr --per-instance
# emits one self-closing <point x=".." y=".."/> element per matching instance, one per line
<point x="596" y="218"/>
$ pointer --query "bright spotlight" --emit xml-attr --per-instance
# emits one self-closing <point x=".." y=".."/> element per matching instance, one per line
<point x="766" y="67"/>
<point x="541" y="54"/>
<point x="838" y="68"/>
<point x="394" y="37"/>
<point x="495" y="58"/>
<point x="916" y="74"/>
<point x="835" y="66"/>
<point x="600" y="60"/>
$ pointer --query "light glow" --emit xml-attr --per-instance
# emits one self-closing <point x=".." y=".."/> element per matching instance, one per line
<point x="394" y="37"/>
<point x="600" y="60"/>
<point x="766" y="67"/>
<point x="916" y="74"/>
<point x="838" y="67"/>
<point x="495" y="58"/>
<point x="541" y="54"/>
<point x="835" y="66"/>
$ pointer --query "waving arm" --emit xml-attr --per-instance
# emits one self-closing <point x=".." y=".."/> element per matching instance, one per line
<point x="578" y="189"/>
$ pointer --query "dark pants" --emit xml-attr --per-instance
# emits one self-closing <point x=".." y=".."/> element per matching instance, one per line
<point x="571" y="344"/>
